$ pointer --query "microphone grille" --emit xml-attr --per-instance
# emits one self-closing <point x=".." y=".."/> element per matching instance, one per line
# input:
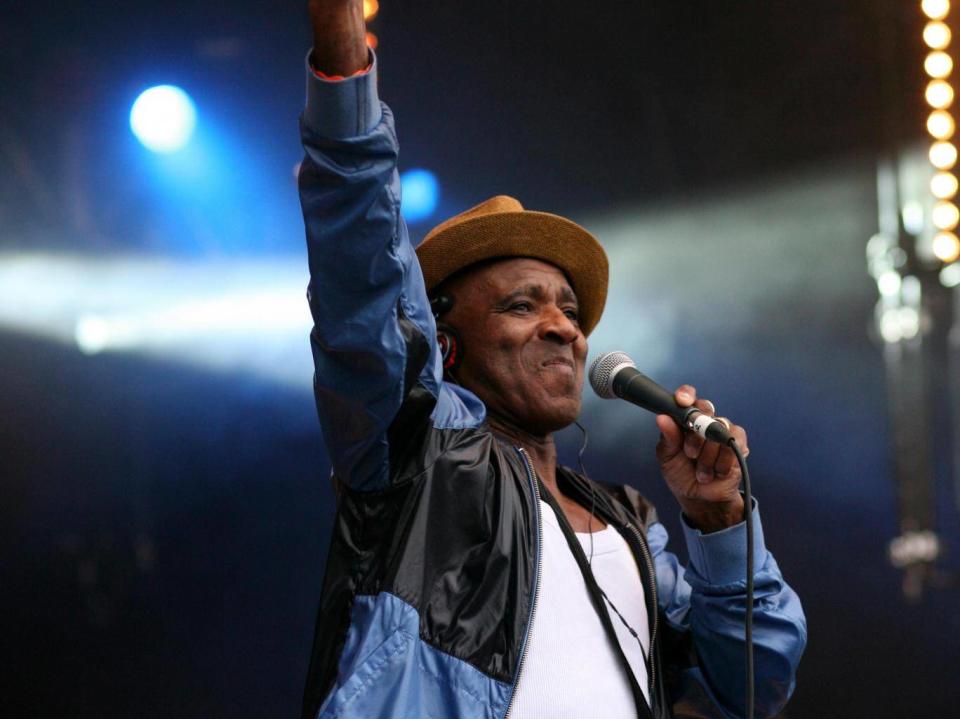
<point x="603" y="370"/>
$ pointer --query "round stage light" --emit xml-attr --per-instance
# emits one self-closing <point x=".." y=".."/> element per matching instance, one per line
<point x="937" y="35"/>
<point x="943" y="155"/>
<point x="163" y="118"/>
<point x="935" y="9"/>
<point x="899" y="323"/>
<point x="946" y="246"/>
<point x="950" y="275"/>
<point x="940" y="124"/>
<point x="420" y="192"/>
<point x="889" y="283"/>
<point x="943" y="185"/>
<point x="370" y="9"/>
<point x="938" y="64"/>
<point x="939" y="94"/>
<point x="945" y="215"/>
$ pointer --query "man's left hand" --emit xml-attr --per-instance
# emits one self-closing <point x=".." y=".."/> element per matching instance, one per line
<point x="703" y="476"/>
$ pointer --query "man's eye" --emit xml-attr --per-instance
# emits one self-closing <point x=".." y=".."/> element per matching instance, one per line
<point x="572" y="314"/>
<point x="521" y="306"/>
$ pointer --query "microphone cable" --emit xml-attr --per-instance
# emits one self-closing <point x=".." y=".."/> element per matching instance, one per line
<point x="593" y="498"/>
<point x="748" y="618"/>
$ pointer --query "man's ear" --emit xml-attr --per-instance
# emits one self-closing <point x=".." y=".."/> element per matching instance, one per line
<point x="451" y="348"/>
<point x="448" y="339"/>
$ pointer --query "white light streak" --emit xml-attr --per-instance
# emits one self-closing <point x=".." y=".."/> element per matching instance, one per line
<point x="247" y="316"/>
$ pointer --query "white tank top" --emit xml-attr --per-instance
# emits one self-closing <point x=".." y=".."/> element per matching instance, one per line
<point x="571" y="670"/>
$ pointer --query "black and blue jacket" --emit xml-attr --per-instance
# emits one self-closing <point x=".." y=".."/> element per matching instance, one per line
<point x="432" y="576"/>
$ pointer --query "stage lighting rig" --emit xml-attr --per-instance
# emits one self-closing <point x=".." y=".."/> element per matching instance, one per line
<point x="914" y="260"/>
<point x="943" y="245"/>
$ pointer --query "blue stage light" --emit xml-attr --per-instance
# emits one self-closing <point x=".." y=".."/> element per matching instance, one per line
<point x="420" y="192"/>
<point x="163" y="118"/>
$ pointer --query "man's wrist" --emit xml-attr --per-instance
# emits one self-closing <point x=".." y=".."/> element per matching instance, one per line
<point x="718" y="557"/>
<point x="338" y="78"/>
<point x="712" y="516"/>
<point x="346" y="108"/>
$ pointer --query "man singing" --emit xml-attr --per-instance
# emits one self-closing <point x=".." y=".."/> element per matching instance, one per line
<point x="469" y="575"/>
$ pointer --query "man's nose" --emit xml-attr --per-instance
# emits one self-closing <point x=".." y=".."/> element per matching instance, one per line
<point x="557" y="326"/>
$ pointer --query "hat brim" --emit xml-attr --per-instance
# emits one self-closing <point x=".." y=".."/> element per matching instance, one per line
<point x="539" y="235"/>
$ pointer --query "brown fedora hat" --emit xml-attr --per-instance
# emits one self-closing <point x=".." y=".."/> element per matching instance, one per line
<point x="500" y="227"/>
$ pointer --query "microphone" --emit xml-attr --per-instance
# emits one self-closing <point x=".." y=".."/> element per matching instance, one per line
<point x="613" y="374"/>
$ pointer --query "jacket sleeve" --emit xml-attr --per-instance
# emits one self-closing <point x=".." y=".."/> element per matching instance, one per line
<point x="707" y="603"/>
<point x="373" y="336"/>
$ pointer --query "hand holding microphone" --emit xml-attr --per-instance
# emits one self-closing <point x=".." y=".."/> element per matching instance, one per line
<point x="703" y="475"/>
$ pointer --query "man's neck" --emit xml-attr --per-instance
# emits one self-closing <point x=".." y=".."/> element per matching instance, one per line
<point x="543" y="454"/>
<point x="541" y="448"/>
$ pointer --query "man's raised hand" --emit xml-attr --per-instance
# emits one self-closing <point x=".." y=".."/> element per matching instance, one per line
<point x="339" y="36"/>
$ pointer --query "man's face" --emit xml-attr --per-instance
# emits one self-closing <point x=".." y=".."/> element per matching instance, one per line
<point x="523" y="349"/>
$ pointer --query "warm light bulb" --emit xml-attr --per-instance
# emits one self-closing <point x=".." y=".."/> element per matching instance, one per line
<point x="940" y="124"/>
<point x="370" y="9"/>
<point x="943" y="155"/>
<point x="946" y="246"/>
<point x="372" y="41"/>
<point x="939" y="94"/>
<point x="943" y="185"/>
<point x="935" y="9"/>
<point x="936" y="35"/>
<point x="945" y="215"/>
<point x="938" y="64"/>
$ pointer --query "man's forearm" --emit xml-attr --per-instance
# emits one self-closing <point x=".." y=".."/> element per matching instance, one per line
<point x="707" y="598"/>
<point x="339" y="36"/>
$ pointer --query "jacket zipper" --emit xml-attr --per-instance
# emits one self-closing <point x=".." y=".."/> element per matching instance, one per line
<point x="651" y="572"/>
<point x="532" y="477"/>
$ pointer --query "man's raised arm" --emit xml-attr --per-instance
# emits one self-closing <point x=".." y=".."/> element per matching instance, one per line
<point x="373" y="335"/>
<point x="339" y="37"/>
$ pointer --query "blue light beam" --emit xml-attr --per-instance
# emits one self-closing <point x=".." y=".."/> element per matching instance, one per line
<point x="420" y="192"/>
<point x="163" y="118"/>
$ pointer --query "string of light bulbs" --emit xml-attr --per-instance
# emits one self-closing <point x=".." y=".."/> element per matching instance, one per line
<point x="941" y="126"/>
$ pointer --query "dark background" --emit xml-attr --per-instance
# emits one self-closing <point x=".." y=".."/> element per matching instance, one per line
<point x="164" y="524"/>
